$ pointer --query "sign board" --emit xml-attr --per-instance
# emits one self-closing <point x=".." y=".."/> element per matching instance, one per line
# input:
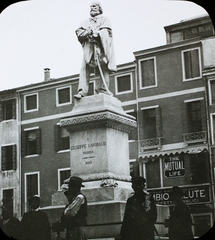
<point x="192" y="195"/>
<point x="174" y="166"/>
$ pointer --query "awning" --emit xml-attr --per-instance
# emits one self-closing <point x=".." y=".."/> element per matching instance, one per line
<point x="188" y="150"/>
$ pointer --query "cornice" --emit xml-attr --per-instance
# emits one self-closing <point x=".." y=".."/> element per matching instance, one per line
<point x="96" y="120"/>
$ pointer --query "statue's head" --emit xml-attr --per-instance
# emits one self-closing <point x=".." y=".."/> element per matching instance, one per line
<point x="95" y="9"/>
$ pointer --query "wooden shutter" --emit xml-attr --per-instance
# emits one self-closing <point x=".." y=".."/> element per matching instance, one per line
<point x="23" y="142"/>
<point x="184" y="117"/>
<point x="203" y="115"/>
<point x="14" y="109"/>
<point x="1" y="111"/>
<point x="14" y="158"/>
<point x="39" y="141"/>
<point x="158" y="122"/>
<point x="56" y="138"/>
<point x="3" y="158"/>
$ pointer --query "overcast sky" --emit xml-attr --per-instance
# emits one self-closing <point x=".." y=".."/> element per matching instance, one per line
<point x="38" y="34"/>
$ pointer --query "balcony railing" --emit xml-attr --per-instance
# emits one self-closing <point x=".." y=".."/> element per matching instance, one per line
<point x="195" y="137"/>
<point x="150" y="143"/>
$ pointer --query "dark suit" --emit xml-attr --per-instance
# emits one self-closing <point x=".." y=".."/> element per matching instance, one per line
<point x="180" y="223"/>
<point x="11" y="228"/>
<point x="139" y="219"/>
<point x="35" y="226"/>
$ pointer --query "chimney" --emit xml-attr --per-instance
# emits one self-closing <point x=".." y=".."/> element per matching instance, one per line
<point x="46" y="74"/>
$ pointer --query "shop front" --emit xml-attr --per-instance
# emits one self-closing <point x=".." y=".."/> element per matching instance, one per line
<point x="188" y="169"/>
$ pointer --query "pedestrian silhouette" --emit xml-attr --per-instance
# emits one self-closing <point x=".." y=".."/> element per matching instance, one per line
<point x="9" y="224"/>
<point x="180" y="221"/>
<point x="35" y="224"/>
<point x="75" y="212"/>
<point x="140" y="213"/>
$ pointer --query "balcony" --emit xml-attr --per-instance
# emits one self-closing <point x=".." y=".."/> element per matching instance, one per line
<point x="195" y="137"/>
<point x="150" y="143"/>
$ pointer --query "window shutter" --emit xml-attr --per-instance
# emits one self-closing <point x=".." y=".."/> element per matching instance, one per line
<point x="203" y="115"/>
<point x="14" y="157"/>
<point x="56" y="138"/>
<point x="158" y="122"/>
<point x="1" y="112"/>
<point x="184" y="117"/>
<point x="3" y="158"/>
<point x="23" y="142"/>
<point x="14" y="109"/>
<point x="39" y="141"/>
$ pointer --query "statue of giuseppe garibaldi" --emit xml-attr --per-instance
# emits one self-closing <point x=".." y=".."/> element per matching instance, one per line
<point x="95" y="36"/>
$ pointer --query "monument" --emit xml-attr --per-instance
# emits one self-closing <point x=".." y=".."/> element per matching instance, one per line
<point x="99" y="154"/>
<point x="99" y="127"/>
<point x="96" y="37"/>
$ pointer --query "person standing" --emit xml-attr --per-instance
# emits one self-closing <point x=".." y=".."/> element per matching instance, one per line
<point x="140" y="213"/>
<point x="95" y="36"/>
<point x="35" y="224"/>
<point x="180" y="221"/>
<point x="9" y="224"/>
<point x="75" y="212"/>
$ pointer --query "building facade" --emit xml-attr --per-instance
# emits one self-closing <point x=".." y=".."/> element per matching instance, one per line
<point x="9" y="151"/>
<point x="169" y="89"/>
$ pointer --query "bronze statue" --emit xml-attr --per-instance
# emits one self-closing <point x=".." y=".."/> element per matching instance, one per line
<point x="95" y="36"/>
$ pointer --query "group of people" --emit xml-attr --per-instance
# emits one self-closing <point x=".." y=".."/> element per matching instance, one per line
<point x="138" y="222"/>
<point x="141" y="214"/>
<point x="33" y="226"/>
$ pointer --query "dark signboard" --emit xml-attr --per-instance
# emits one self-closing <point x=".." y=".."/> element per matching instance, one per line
<point x="192" y="195"/>
<point x="174" y="166"/>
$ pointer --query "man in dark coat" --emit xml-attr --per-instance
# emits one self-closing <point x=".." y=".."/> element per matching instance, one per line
<point x="140" y="213"/>
<point x="35" y="224"/>
<point x="9" y="224"/>
<point x="180" y="222"/>
<point x="75" y="213"/>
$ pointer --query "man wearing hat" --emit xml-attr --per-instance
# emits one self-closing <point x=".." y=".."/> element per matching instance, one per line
<point x="75" y="212"/>
<point x="140" y="213"/>
<point x="180" y="221"/>
<point x="35" y="223"/>
<point x="95" y="31"/>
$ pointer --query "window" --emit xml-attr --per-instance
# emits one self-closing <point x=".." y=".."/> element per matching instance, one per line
<point x="31" y="102"/>
<point x="63" y="174"/>
<point x="194" y="116"/>
<point x="199" y="168"/>
<point x="133" y="134"/>
<point x="191" y="64"/>
<point x="8" y="199"/>
<point x="31" y="185"/>
<point x="8" y="157"/>
<point x="31" y="141"/>
<point x="149" y="123"/>
<point x="8" y="110"/>
<point x="64" y="96"/>
<point x="123" y="83"/>
<point x="62" y="138"/>
<point x="153" y="173"/>
<point x="212" y="91"/>
<point x="148" y="73"/>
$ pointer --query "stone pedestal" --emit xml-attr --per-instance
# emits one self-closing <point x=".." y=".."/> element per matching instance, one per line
<point x="99" y="154"/>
